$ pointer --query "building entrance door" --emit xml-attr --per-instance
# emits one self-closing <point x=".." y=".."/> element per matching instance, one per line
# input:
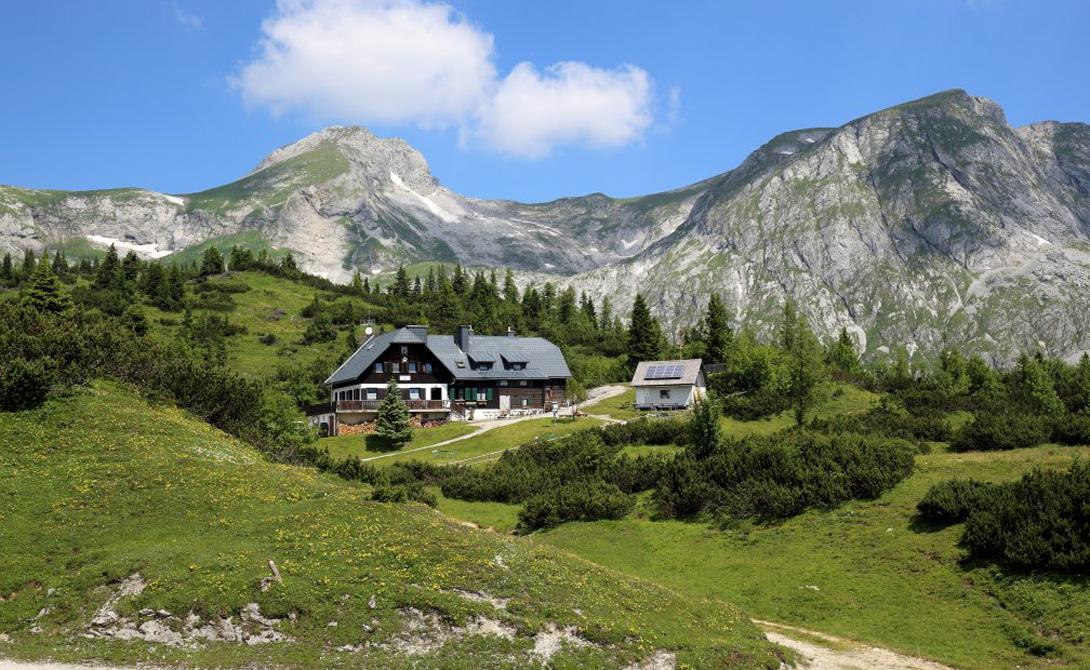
<point x="505" y="403"/>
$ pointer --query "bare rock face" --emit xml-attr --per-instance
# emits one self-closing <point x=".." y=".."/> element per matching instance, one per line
<point x="343" y="199"/>
<point x="930" y="222"/>
<point x="934" y="221"/>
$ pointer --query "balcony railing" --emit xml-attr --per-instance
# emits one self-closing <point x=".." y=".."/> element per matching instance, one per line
<point x="372" y="405"/>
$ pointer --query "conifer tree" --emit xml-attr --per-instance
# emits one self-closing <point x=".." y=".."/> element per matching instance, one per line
<point x="510" y="290"/>
<point x="393" y="421"/>
<point x="288" y="265"/>
<point x="418" y="289"/>
<point x="211" y="262"/>
<point x="401" y="287"/>
<point x="357" y="282"/>
<point x="6" y="271"/>
<point x="842" y="355"/>
<point x="718" y="332"/>
<point x="29" y="263"/>
<point x="130" y="267"/>
<point x="108" y="275"/>
<point x="430" y="285"/>
<point x="644" y="342"/>
<point x="605" y="314"/>
<point x="459" y="282"/>
<point x="43" y="290"/>
<point x="60" y="263"/>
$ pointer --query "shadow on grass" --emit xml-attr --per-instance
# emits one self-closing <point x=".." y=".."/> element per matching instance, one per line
<point x="923" y="525"/>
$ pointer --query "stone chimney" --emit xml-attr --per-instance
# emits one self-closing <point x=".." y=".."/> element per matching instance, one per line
<point x="461" y="338"/>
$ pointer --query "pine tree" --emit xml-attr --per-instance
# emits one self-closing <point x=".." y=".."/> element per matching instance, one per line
<point x="108" y="276"/>
<point x="287" y="264"/>
<point x="565" y="308"/>
<point x="644" y="342"/>
<point x="459" y="283"/>
<point x="60" y="263"/>
<point x="510" y="289"/>
<point x="43" y="290"/>
<point x="211" y="262"/>
<point x="29" y="263"/>
<point x="717" y="328"/>
<point x="430" y="285"/>
<point x="418" y="290"/>
<point x="842" y="355"/>
<point x="401" y="287"/>
<point x="357" y="282"/>
<point x="393" y="421"/>
<point x="6" y="271"/>
<point x="351" y="341"/>
<point x="605" y="315"/>
<point x="130" y="267"/>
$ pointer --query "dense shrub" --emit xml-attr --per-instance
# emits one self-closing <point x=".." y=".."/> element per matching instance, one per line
<point x="78" y="347"/>
<point x="24" y="384"/>
<point x="1041" y="521"/>
<point x="1073" y="429"/>
<point x="576" y="501"/>
<point x="646" y="431"/>
<point x="783" y="474"/>
<point x="889" y="422"/>
<point x="952" y="501"/>
<point x="404" y="493"/>
<point x="988" y="431"/>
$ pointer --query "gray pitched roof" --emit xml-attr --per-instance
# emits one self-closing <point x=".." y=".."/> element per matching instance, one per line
<point x="690" y="373"/>
<point x="542" y="358"/>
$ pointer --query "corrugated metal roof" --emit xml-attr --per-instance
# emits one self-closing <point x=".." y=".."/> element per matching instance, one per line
<point x="690" y="373"/>
<point x="542" y="359"/>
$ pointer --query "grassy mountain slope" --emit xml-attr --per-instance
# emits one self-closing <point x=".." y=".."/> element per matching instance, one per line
<point x="100" y="486"/>
<point x="869" y="571"/>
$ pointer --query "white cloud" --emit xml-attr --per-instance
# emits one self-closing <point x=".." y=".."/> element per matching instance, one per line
<point x="568" y="104"/>
<point x="185" y="19"/>
<point x="423" y="63"/>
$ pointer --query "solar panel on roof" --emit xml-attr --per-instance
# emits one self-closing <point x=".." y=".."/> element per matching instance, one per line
<point x="672" y="371"/>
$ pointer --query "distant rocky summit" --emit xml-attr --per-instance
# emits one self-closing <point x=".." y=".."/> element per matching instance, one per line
<point x="934" y="221"/>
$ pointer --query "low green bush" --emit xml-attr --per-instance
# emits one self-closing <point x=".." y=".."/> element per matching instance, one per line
<point x="1041" y="521"/>
<point x="404" y="493"/>
<point x="783" y="474"/>
<point x="991" y="431"/>
<point x="576" y="501"/>
<point x="25" y="384"/>
<point x="952" y="501"/>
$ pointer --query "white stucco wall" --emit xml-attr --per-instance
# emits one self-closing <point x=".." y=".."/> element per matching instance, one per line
<point x="679" y="395"/>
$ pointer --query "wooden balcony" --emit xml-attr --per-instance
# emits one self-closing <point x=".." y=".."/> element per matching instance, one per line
<point x="373" y="405"/>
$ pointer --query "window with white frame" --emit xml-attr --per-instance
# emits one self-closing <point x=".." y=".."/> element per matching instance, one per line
<point x="372" y="394"/>
<point x="378" y="367"/>
<point x="414" y="394"/>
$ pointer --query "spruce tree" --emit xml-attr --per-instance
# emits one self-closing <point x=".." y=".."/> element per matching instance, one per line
<point x="393" y="421"/>
<point x="211" y="262"/>
<point x="288" y="265"/>
<point x="29" y="263"/>
<point x="510" y="289"/>
<point x="401" y="287"/>
<point x="43" y="290"/>
<point x="130" y="267"/>
<point x="842" y="355"/>
<point x="644" y="342"/>
<point x="357" y="282"/>
<point x="719" y="334"/>
<point x="60" y="263"/>
<point x="6" y="271"/>
<point x="108" y="275"/>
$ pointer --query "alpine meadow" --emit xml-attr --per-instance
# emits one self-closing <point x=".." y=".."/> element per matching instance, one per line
<point x="819" y="399"/>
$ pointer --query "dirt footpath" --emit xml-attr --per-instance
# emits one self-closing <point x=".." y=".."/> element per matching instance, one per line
<point x="820" y="651"/>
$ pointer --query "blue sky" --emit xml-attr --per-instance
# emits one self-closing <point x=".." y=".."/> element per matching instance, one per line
<point x="179" y="96"/>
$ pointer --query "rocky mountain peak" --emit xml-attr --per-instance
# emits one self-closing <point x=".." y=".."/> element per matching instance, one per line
<point x="377" y="157"/>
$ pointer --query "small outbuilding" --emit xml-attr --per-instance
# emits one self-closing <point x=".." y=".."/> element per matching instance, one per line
<point x="669" y="384"/>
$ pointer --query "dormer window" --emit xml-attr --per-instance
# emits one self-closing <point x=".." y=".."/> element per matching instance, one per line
<point x="484" y="366"/>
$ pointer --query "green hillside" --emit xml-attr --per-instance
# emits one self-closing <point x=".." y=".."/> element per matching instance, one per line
<point x="869" y="571"/>
<point x="158" y="519"/>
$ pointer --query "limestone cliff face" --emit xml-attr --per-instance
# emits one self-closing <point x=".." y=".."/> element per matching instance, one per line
<point x="342" y="199"/>
<point x="928" y="222"/>
<point x="933" y="221"/>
